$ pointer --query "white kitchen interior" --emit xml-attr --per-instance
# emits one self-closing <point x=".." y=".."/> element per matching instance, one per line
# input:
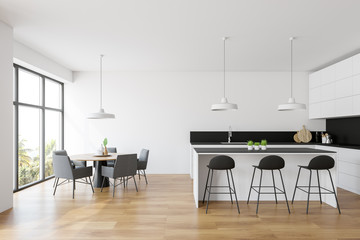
<point x="164" y="66"/>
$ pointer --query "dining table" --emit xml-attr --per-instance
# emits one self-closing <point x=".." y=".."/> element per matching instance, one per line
<point x="99" y="161"/>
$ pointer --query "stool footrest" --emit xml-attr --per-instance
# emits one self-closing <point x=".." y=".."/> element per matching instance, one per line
<point x="279" y="191"/>
<point x="307" y="191"/>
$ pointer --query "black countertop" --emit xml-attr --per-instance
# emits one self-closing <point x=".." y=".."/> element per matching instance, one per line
<point x="269" y="150"/>
<point x="279" y="143"/>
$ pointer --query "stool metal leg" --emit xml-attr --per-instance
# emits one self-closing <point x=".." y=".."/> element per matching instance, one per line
<point x="307" y="208"/>
<point x="282" y="181"/>
<point x="297" y="180"/>
<point x="317" y="173"/>
<point x="237" y="204"/>
<point x="257" y="207"/>
<point x="332" y="184"/>
<point x="227" y="174"/>
<point x="207" y="204"/>
<point x="206" y="185"/>
<point x="272" y="173"/>
<point x="252" y="180"/>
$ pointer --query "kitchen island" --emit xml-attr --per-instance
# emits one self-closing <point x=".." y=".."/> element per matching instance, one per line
<point x="244" y="159"/>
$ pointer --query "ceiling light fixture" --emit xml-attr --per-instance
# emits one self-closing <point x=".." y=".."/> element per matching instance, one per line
<point x="101" y="114"/>
<point x="224" y="104"/>
<point x="291" y="104"/>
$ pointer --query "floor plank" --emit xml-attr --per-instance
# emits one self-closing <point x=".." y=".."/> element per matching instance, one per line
<point x="165" y="209"/>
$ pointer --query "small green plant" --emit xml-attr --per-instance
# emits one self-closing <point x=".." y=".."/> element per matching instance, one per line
<point x="256" y="143"/>
<point x="105" y="142"/>
<point x="250" y="143"/>
<point x="263" y="142"/>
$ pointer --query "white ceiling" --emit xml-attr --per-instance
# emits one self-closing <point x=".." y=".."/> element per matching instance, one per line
<point x="186" y="35"/>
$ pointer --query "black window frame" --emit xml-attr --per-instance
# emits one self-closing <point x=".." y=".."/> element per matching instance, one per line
<point x="42" y="107"/>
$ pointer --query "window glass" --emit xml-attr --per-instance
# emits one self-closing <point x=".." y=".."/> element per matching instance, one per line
<point x="29" y="145"/>
<point x="52" y="138"/>
<point x="29" y="87"/>
<point x="52" y="94"/>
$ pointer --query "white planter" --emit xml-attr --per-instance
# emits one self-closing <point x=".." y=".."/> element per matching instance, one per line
<point x="256" y="147"/>
<point x="250" y="147"/>
<point x="263" y="147"/>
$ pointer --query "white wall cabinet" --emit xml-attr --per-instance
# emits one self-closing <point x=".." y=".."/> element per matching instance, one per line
<point x="335" y="90"/>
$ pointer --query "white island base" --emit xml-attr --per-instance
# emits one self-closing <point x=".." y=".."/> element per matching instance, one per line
<point x="243" y="172"/>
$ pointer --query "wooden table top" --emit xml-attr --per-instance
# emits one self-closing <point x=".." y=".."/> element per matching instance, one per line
<point x="93" y="157"/>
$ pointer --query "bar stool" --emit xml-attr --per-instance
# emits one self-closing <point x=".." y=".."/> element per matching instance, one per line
<point x="272" y="163"/>
<point x="322" y="162"/>
<point x="221" y="162"/>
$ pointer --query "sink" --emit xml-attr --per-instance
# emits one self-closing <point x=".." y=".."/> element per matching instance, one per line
<point x="234" y="143"/>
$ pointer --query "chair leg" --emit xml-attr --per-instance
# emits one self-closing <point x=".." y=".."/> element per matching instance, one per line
<point x="237" y="204"/>
<point x="307" y="208"/>
<point x="227" y="174"/>
<point x="56" y="184"/>
<point x="124" y="181"/>
<point x="135" y="183"/>
<point x="139" y="173"/>
<point x="252" y="180"/>
<point x="332" y="184"/>
<point x="102" y="185"/>
<point x="207" y="204"/>
<point x="91" y="185"/>
<point x="114" y="188"/>
<point x="297" y="180"/>
<point x="317" y="173"/>
<point x="206" y="185"/>
<point x="282" y="181"/>
<point x="257" y="206"/>
<point x="272" y="173"/>
<point x="145" y="177"/>
<point x="73" y="188"/>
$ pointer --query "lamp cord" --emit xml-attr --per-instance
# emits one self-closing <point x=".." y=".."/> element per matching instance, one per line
<point x="101" y="57"/>
<point x="224" y="65"/>
<point x="291" y="66"/>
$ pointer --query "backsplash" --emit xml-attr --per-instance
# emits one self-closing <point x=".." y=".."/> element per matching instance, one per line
<point x="345" y="131"/>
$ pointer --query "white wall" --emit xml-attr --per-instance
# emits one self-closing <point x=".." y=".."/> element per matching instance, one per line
<point x="35" y="61"/>
<point x="6" y="109"/>
<point x="157" y="110"/>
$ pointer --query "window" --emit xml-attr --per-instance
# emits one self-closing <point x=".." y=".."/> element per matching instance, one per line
<point x="39" y="124"/>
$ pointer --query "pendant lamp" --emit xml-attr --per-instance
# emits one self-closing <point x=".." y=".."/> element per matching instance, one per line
<point x="224" y="104"/>
<point x="291" y="104"/>
<point x="101" y="114"/>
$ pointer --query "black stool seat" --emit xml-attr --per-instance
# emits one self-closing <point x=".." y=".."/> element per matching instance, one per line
<point x="322" y="162"/>
<point x="220" y="162"/>
<point x="271" y="163"/>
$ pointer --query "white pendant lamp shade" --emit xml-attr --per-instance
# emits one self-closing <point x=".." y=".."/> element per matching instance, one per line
<point x="101" y="114"/>
<point x="291" y="105"/>
<point x="224" y="105"/>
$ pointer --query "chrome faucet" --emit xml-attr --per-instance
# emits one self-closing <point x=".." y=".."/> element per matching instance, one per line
<point x="229" y="134"/>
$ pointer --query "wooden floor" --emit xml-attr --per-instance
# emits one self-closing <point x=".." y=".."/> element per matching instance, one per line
<point x="164" y="209"/>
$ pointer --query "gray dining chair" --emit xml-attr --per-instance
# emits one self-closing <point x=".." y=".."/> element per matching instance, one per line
<point x="74" y="164"/>
<point x="111" y="163"/>
<point x="124" y="168"/>
<point x="64" y="169"/>
<point x="142" y="163"/>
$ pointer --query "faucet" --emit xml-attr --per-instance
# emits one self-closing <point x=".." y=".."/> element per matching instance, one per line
<point x="229" y="134"/>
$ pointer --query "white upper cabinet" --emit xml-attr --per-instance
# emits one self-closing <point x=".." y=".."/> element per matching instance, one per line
<point x="344" y="88"/>
<point x="315" y="79"/>
<point x="344" y="69"/>
<point x="328" y="75"/>
<point x="356" y="64"/>
<point x="335" y="90"/>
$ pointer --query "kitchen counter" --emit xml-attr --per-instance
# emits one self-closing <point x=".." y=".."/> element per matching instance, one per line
<point x="245" y="159"/>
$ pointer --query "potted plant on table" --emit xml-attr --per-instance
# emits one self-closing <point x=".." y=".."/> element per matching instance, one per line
<point x="256" y="146"/>
<point x="105" y="142"/>
<point x="250" y="145"/>
<point x="263" y="144"/>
